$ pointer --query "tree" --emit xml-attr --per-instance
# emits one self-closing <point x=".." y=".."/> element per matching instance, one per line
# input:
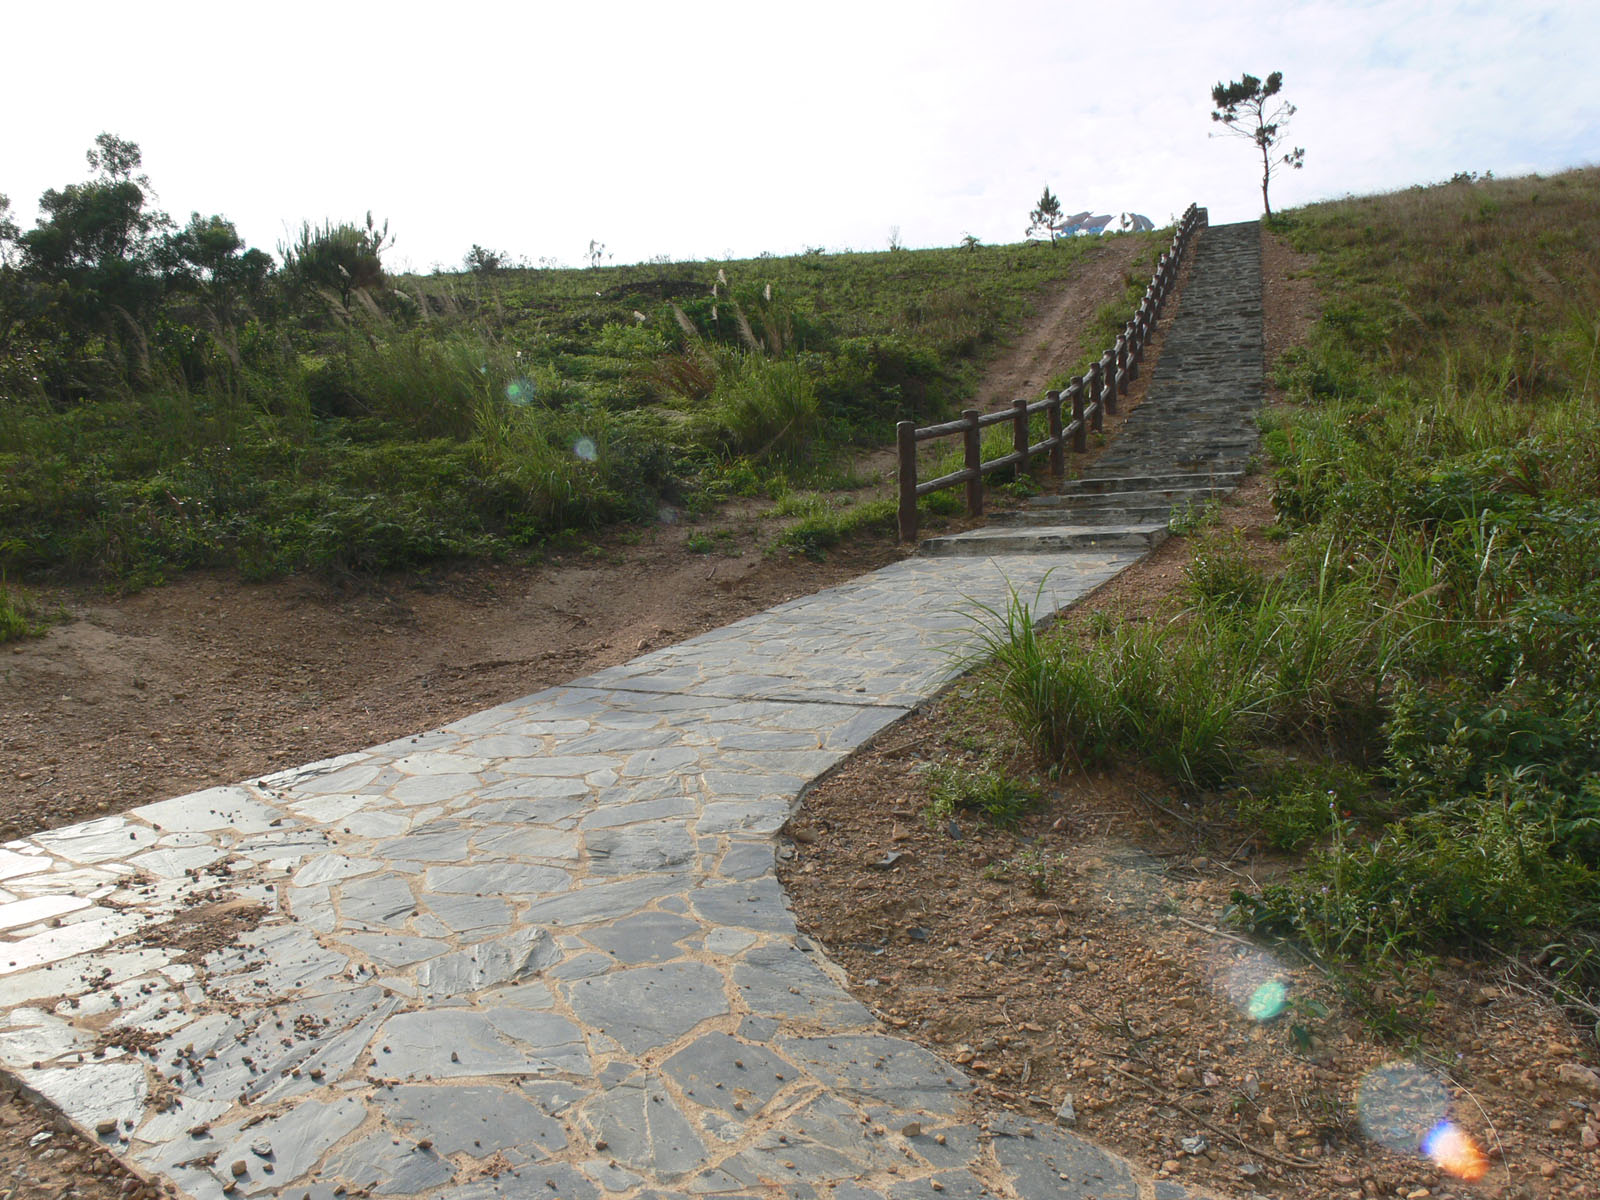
<point x="208" y="257"/>
<point x="482" y="261"/>
<point x="1046" y="218"/>
<point x="1245" y="110"/>
<point x="8" y="230"/>
<point x="344" y="258"/>
<point x="98" y="238"/>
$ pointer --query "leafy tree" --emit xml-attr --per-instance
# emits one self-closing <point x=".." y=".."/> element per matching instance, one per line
<point x="16" y="295"/>
<point x="208" y="257"/>
<point x="8" y="230"/>
<point x="1245" y="109"/>
<point x="98" y="238"/>
<point x="1046" y="218"/>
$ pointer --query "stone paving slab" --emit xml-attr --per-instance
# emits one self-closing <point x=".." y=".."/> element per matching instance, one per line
<point x="541" y="951"/>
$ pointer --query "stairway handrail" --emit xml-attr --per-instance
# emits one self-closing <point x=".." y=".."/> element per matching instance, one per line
<point x="1090" y="397"/>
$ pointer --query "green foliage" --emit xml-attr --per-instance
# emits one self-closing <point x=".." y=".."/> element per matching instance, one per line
<point x="1244" y="109"/>
<point x="762" y="408"/>
<point x="1220" y="573"/>
<point x="823" y="523"/>
<point x="342" y="258"/>
<point x="330" y="417"/>
<point x="482" y="261"/>
<point x="1440" y="467"/>
<point x="18" y="617"/>
<point x="988" y="793"/>
<point x="1299" y="800"/>
<point x="1189" y="518"/>
<point x="1035" y="866"/>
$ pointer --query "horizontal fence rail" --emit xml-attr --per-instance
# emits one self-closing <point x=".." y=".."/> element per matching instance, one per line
<point x="1088" y="399"/>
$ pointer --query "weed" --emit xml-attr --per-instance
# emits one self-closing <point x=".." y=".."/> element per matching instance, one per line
<point x="18" y="617"/>
<point x="472" y="414"/>
<point x="1188" y="518"/>
<point x="1219" y="573"/>
<point x="990" y="793"/>
<point x="1436" y="482"/>
<point x="822" y="524"/>
<point x="1036" y="867"/>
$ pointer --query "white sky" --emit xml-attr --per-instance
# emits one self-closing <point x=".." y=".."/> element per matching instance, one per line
<point x="702" y="129"/>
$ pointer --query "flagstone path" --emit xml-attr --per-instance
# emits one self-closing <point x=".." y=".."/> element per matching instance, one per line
<point x="538" y="952"/>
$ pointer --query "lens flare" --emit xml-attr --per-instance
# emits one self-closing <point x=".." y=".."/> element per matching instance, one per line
<point x="584" y="448"/>
<point x="1253" y="982"/>
<point x="1267" y="1001"/>
<point x="1399" y="1103"/>
<point x="1454" y="1152"/>
<point x="520" y="391"/>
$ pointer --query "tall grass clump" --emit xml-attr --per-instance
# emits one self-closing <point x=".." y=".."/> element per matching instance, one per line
<point x="16" y="617"/>
<point x="762" y="408"/>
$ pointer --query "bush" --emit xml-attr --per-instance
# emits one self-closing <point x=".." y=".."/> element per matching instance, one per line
<point x="762" y="408"/>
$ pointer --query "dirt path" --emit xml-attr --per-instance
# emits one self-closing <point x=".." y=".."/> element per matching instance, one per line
<point x="1052" y="342"/>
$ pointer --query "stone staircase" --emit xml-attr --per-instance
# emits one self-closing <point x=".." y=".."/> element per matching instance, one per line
<point x="1189" y="442"/>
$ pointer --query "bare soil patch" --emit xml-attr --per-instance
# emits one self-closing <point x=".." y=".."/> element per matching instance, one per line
<point x="208" y="680"/>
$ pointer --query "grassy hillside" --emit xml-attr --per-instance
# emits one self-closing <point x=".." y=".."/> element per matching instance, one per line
<point x="1413" y="699"/>
<point x="469" y="414"/>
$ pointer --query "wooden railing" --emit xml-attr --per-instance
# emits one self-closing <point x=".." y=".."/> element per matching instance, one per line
<point x="1089" y="399"/>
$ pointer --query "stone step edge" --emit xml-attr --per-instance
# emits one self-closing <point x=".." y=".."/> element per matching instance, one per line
<point x="1045" y="539"/>
<point x="1096" y="485"/>
<point x="1098" y="501"/>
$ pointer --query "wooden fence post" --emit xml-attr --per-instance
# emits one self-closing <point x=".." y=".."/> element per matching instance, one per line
<point x="1080" y="434"/>
<point x="1058" y="449"/>
<point x="1108" y="382"/>
<point x="1019" y="433"/>
<point x="905" y="436"/>
<point x="972" y="447"/>
<point x="1097" y="395"/>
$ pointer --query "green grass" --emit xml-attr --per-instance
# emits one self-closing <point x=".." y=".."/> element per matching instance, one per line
<point x="989" y="793"/>
<point x="473" y="415"/>
<point x="18" y="617"/>
<point x="825" y="522"/>
<point x="1415" y="698"/>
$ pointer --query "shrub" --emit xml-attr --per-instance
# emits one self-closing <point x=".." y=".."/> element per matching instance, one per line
<point x="763" y="408"/>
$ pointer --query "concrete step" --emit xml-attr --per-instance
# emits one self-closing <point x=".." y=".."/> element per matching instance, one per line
<point x="1163" y="481"/>
<point x="1045" y="539"/>
<point x="1141" y="497"/>
<point x="1148" y="514"/>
